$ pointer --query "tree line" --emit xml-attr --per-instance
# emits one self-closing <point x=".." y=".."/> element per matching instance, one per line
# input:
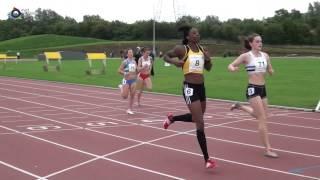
<point x="285" y="27"/>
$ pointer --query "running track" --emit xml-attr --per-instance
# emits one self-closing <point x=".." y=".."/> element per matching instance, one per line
<point x="62" y="131"/>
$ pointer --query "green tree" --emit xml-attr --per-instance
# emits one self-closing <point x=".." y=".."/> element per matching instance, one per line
<point x="274" y="33"/>
<point x="211" y="27"/>
<point x="188" y="20"/>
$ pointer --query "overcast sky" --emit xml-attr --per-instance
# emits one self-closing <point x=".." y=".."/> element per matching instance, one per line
<point x="165" y="10"/>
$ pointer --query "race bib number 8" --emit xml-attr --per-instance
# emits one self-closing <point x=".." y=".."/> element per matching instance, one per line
<point x="196" y="63"/>
<point x="188" y="92"/>
<point x="250" y="91"/>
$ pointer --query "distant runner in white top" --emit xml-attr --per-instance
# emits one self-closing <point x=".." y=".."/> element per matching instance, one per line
<point x="144" y="68"/>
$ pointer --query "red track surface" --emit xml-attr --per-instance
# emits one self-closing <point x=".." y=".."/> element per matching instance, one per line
<point x="72" y="132"/>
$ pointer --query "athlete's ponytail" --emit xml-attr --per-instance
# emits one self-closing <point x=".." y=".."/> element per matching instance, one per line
<point x="249" y="39"/>
<point x="185" y="30"/>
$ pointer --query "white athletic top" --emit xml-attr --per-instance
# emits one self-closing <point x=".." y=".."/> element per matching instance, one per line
<point x="146" y="62"/>
<point x="256" y="64"/>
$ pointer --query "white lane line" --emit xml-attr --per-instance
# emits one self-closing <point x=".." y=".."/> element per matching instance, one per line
<point x="104" y="98"/>
<point x="304" y="176"/>
<point x="19" y="169"/>
<point x="45" y="110"/>
<point x="102" y="90"/>
<point x="291" y="125"/>
<point x="73" y="105"/>
<point x="280" y="150"/>
<point x="220" y="159"/>
<point x="94" y="155"/>
<point x="28" y="114"/>
<point x="57" y="114"/>
<point x="27" y="108"/>
<point x="244" y="144"/>
<point x="68" y="118"/>
<point x="91" y="104"/>
<point x="275" y="134"/>
<point x="105" y="111"/>
<point x="121" y="150"/>
<point x="87" y="108"/>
